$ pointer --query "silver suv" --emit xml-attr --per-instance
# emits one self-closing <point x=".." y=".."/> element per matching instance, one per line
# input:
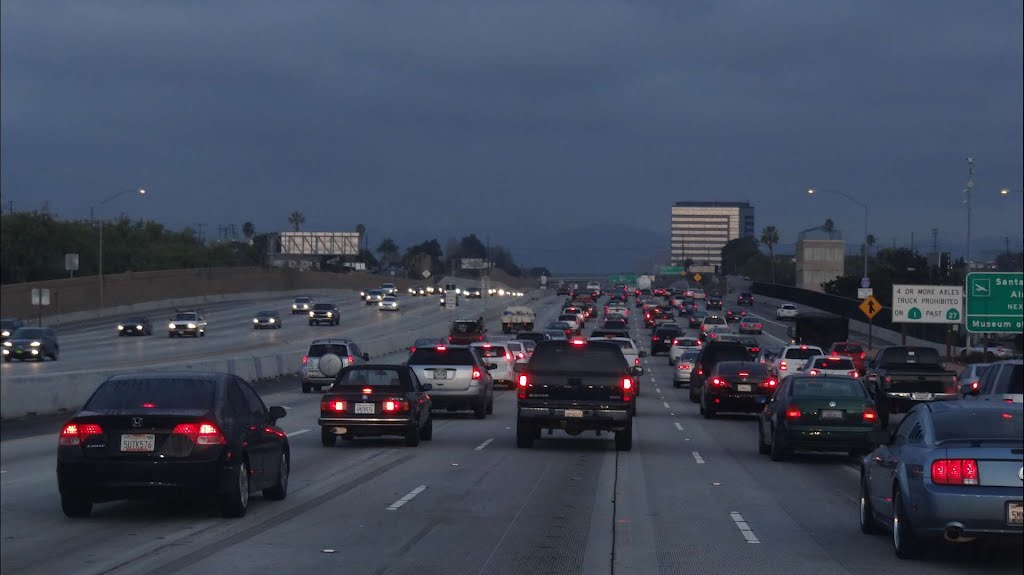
<point x="459" y="378"/>
<point x="347" y="350"/>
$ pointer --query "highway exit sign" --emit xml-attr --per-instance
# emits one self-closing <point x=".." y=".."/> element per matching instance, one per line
<point x="995" y="303"/>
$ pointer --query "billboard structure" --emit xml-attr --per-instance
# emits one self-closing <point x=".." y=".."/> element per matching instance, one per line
<point x="315" y="244"/>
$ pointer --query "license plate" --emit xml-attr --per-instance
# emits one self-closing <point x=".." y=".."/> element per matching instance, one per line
<point x="921" y="396"/>
<point x="138" y="442"/>
<point x="666" y="341"/>
<point x="1015" y="513"/>
<point x="831" y="414"/>
<point x="365" y="408"/>
<point x="574" y="413"/>
<point x="440" y="374"/>
<point x="744" y="388"/>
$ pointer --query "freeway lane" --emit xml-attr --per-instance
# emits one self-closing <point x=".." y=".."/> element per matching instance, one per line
<point x="688" y="498"/>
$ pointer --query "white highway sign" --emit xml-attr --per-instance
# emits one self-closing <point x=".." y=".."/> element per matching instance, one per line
<point x="927" y="304"/>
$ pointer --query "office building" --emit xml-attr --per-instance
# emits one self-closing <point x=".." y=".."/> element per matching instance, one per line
<point x="701" y="229"/>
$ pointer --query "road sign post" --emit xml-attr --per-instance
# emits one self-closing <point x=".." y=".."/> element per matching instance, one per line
<point x="994" y="302"/>
<point x="71" y="263"/>
<point x="870" y="308"/>
<point x="40" y="297"/>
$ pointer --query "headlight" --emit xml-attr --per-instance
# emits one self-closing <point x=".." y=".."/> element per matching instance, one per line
<point x="501" y="292"/>
<point x="362" y="294"/>
<point x="34" y="344"/>
<point x="120" y="327"/>
<point x="138" y="327"/>
<point x="5" y="333"/>
<point x="295" y="306"/>
<point x="330" y="314"/>
<point x="8" y="344"/>
<point x="171" y="326"/>
<point x="310" y="314"/>
<point x="380" y="304"/>
<point x="191" y="326"/>
<point x="255" y="320"/>
<point x="272" y="320"/>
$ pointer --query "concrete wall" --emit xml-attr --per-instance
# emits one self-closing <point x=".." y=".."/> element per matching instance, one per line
<point x="818" y="261"/>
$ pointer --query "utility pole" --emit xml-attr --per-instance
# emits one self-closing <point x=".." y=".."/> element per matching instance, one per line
<point x="911" y="242"/>
<point x="967" y="201"/>
<point x="935" y="240"/>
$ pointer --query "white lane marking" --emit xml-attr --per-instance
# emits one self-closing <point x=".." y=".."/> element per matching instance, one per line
<point x="483" y="445"/>
<point x="408" y="497"/>
<point x="698" y="458"/>
<point x="665" y="403"/>
<point x="299" y="432"/>
<point x="658" y="389"/>
<point x="4" y="471"/>
<point x="744" y="528"/>
<point x="679" y="426"/>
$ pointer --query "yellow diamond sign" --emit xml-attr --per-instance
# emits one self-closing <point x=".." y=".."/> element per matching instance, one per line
<point x="870" y="306"/>
<point x="697" y="277"/>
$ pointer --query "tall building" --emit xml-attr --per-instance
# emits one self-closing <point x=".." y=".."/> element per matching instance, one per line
<point x="701" y="229"/>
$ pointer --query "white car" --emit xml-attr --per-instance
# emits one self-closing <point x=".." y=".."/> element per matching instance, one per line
<point x="786" y="311"/>
<point x="629" y="349"/>
<point x="713" y="321"/>
<point x="389" y="303"/>
<point x="498" y="354"/>
<point x="684" y="367"/>
<point x="832" y="365"/>
<point x="520" y="353"/>
<point x="389" y="289"/>
<point x="682" y="344"/>
<point x="793" y="358"/>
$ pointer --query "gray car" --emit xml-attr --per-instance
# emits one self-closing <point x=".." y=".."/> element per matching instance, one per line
<point x="951" y="470"/>
<point x="1001" y="381"/>
<point x="459" y="378"/>
<point x="346" y="349"/>
<point x="36" y="343"/>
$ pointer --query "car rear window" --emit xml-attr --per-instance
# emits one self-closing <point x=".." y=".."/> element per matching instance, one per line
<point x="567" y="317"/>
<point x="825" y="387"/>
<point x="372" y="378"/>
<point x="667" y="331"/>
<point x="983" y="424"/>
<point x="569" y="358"/>
<point x="627" y="347"/>
<point x="732" y="352"/>
<point x="447" y="356"/>
<point x="825" y="363"/>
<point x="154" y="393"/>
<point x="322" y="349"/>
<point x="715" y="320"/>
<point x="1011" y="380"/>
<point x="687" y="342"/>
<point x="734" y="368"/>
<point x="801" y="353"/>
<point x="466" y="327"/>
<point x="492" y="351"/>
<point x="848" y="348"/>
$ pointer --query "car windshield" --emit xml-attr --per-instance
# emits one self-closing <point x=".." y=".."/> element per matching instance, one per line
<point x="266" y="314"/>
<point x="303" y="300"/>
<point x="978" y="424"/>
<point x="9" y="323"/>
<point x="153" y="393"/>
<point x="441" y="355"/>
<point x="375" y="378"/>
<point x="135" y="320"/>
<point x="323" y="307"/>
<point x="185" y="317"/>
<point x="390" y="299"/>
<point x="825" y="387"/>
<point x="573" y="358"/>
<point x="322" y="349"/>
<point x="29" y="333"/>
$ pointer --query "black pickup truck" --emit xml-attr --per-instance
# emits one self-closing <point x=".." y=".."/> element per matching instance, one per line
<point x="901" y="377"/>
<point x="820" y="329"/>
<point x="576" y="386"/>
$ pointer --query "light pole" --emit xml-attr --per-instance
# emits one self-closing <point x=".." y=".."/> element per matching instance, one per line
<point x="1016" y="192"/>
<point x="864" y="242"/>
<point x="92" y="216"/>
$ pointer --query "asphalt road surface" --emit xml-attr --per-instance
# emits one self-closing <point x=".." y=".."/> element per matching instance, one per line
<point x="693" y="496"/>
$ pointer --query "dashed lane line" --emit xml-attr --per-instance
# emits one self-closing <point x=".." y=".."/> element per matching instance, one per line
<point x="408" y="497"/>
<point x="483" y="445"/>
<point x="744" y="528"/>
<point x="667" y="406"/>
<point x="679" y="426"/>
<point x="698" y="458"/>
<point x="299" y="432"/>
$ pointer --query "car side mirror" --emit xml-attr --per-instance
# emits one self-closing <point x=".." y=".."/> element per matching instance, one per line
<point x="879" y="437"/>
<point x="277" y="412"/>
<point x="366" y="356"/>
<point x="427" y="386"/>
<point x="519" y="367"/>
<point x="637" y="371"/>
<point x="643" y="353"/>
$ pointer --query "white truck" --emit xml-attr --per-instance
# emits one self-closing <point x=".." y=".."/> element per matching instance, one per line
<point x="517" y="318"/>
<point x="644" y="282"/>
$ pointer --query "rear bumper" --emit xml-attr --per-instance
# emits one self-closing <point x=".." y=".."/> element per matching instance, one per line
<point x="466" y="399"/>
<point x="738" y="402"/>
<point x="110" y="480"/>
<point x="979" y="511"/>
<point x="551" y="417"/>
<point x="817" y="438"/>
<point x="368" y="426"/>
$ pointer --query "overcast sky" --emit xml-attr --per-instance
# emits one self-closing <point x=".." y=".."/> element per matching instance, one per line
<point x="545" y="126"/>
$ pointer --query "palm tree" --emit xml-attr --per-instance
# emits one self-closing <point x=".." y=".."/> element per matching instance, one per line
<point x="870" y="241"/>
<point x="296" y="219"/>
<point x="248" y="230"/>
<point x="361" y="230"/>
<point x="770" y="238"/>
<point x="829" y="227"/>
<point x="388" y="251"/>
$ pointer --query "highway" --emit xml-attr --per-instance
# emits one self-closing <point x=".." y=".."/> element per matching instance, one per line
<point x="692" y="496"/>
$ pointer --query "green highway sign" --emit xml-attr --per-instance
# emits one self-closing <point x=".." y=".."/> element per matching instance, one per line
<point x="623" y="279"/>
<point x="994" y="302"/>
<point x="672" y="270"/>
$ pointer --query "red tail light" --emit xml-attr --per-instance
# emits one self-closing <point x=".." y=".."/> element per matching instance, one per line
<point x="863" y="355"/>
<point x="351" y="360"/>
<point x="335" y="406"/>
<point x="718" y="382"/>
<point x="508" y="356"/>
<point x="476" y="373"/>
<point x="520" y="355"/>
<point x="524" y="382"/>
<point x="627" y="383"/>
<point x="450" y="339"/>
<point x="654" y="338"/>
<point x="412" y="350"/>
<point x="367" y="390"/>
<point x="305" y="359"/>
<point x="394" y="406"/>
<point x="769" y="383"/>
<point x="76" y="433"/>
<point x="636" y="361"/>
<point x="814" y="372"/>
<point x="955" y="472"/>
<point x="441" y="347"/>
<point x="200" y="433"/>
<point x="793" y="412"/>
<point x="853" y="373"/>
<point x="783" y="366"/>
<point x="755" y="350"/>
<point x="870" y="415"/>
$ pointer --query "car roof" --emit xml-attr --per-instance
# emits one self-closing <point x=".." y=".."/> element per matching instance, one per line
<point x="332" y="340"/>
<point x="177" y="374"/>
<point x="960" y="405"/>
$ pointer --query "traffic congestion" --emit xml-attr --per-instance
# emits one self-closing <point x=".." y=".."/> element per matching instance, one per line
<point x="553" y="415"/>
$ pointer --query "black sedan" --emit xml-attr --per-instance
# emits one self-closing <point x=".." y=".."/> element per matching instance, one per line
<point x="736" y="386"/>
<point x="951" y="470"/>
<point x="135" y="326"/>
<point x="375" y="400"/>
<point x="150" y="434"/>
<point x="36" y="343"/>
<point x="266" y="319"/>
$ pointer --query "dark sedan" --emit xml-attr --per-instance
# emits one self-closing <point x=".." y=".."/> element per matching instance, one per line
<point x="736" y="386"/>
<point x="662" y="338"/>
<point x="36" y="343"/>
<point x="376" y="400"/>
<point x="816" y="413"/>
<point x="135" y="326"/>
<point x="950" y="470"/>
<point x="696" y="318"/>
<point x="745" y="298"/>
<point x="266" y="319"/>
<point x="324" y="313"/>
<point x="150" y="434"/>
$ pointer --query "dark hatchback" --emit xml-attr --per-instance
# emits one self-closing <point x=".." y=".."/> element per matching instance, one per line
<point x="745" y="298"/>
<point x="36" y="343"/>
<point x="376" y="400"/>
<point x="661" y="339"/>
<point x="154" y="434"/>
<point x="135" y="326"/>
<point x="713" y="302"/>
<point x="736" y="386"/>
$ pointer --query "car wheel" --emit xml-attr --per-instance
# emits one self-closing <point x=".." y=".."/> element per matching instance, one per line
<point x="525" y="433"/>
<point x="76" y="504"/>
<point x="706" y="410"/>
<point x="318" y="388"/>
<point x="883" y="413"/>
<point x="868" y="524"/>
<point x="312" y="323"/>
<point x="778" y="448"/>
<point x="904" y="540"/>
<point x="676" y="384"/>
<point x="490" y="405"/>
<point x="762" y="447"/>
<point x="624" y="438"/>
<point x="480" y="409"/>
<point x="327" y="439"/>
<point x="427" y="433"/>
<point x="280" y="489"/>
<point x="306" y="388"/>
<point x="412" y="437"/>
<point x="202" y="333"/>
<point x="235" y="501"/>
<point x="170" y="335"/>
<point x="693" y="396"/>
<point x="53" y="356"/>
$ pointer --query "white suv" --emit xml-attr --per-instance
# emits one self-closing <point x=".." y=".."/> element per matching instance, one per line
<point x="786" y="311"/>
<point x="793" y="358"/>
<point x="499" y="354"/>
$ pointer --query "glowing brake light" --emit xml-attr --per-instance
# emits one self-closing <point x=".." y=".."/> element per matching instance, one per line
<point x="200" y="433"/>
<point x="955" y="472"/>
<point x="305" y="359"/>
<point x="578" y="342"/>
<point x="520" y="355"/>
<point x="75" y="433"/>
<point x="441" y="348"/>
<point x="813" y="372"/>
<point x="853" y="373"/>
<point x="833" y="358"/>
<point x="803" y="347"/>
<point x="391" y="406"/>
<point x="783" y="366"/>
<point x="351" y="360"/>
<point x="476" y="374"/>
<point x="716" y="382"/>
<point x="793" y="412"/>
<point x="870" y="415"/>
<point x="508" y="356"/>
<point x="769" y="383"/>
<point x="336" y="406"/>
<point x="367" y="390"/>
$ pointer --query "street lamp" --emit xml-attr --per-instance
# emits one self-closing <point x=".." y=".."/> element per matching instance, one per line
<point x="864" y="245"/>
<point x="1019" y="192"/>
<point x="92" y="214"/>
